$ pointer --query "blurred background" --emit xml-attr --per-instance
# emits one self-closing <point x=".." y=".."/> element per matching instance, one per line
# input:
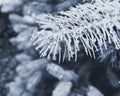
<point x="16" y="26"/>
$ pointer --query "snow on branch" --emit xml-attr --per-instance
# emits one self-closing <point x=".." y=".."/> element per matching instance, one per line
<point x="92" y="25"/>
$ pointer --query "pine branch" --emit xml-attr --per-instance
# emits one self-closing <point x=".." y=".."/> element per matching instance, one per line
<point x="89" y="24"/>
<point x="61" y="74"/>
<point x="62" y="89"/>
<point x="29" y="75"/>
<point x="10" y="2"/>
<point x="9" y="5"/>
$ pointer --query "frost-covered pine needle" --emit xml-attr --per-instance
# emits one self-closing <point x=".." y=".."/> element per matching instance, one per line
<point x="92" y="25"/>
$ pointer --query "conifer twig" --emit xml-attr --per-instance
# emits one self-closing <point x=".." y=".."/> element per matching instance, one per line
<point x="89" y="24"/>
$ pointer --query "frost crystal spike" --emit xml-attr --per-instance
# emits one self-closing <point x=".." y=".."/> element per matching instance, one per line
<point x="92" y="25"/>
